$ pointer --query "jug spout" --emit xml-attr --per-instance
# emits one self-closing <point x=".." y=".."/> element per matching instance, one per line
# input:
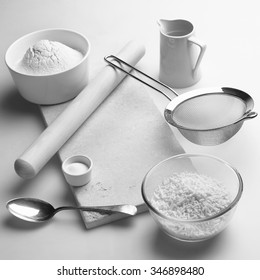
<point x="163" y="25"/>
<point x="175" y="27"/>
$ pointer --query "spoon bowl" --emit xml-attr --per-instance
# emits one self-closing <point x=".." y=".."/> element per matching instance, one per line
<point x="36" y="210"/>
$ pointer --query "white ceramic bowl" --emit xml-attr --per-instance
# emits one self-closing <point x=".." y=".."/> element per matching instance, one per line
<point x="53" y="88"/>
<point x="77" y="170"/>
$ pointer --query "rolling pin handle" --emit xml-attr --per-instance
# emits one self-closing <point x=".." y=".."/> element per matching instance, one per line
<point x="24" y="169"/>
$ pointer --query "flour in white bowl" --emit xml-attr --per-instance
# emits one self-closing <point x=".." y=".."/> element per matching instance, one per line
<point x="48" y="57"/>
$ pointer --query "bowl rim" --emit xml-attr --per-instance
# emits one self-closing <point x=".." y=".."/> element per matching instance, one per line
<point x="85" y="56"/>
<point x="227" y="209"/>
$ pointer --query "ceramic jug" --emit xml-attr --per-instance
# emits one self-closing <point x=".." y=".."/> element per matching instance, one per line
<point x="180" y="53"/>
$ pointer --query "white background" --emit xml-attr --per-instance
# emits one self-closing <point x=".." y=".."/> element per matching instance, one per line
<point x="231" y="32"/>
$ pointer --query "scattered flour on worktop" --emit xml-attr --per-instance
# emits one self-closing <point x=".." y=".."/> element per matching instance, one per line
<point x="190" y="196"/>
<point x="48" y="57"/>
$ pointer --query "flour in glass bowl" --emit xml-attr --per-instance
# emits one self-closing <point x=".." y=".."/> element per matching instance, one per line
<point x="191" y="196"/>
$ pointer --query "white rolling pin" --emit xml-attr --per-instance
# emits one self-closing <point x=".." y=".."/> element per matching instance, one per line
<point x="66" y="124"/>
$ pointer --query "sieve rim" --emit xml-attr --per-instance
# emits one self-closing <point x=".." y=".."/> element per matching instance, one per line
<point x="173" y="105"/>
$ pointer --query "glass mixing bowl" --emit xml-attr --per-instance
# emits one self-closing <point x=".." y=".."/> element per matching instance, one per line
<point x="187" y="229"/>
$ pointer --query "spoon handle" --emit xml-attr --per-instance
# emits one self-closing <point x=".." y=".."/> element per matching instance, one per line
<point x="99" y="209"/>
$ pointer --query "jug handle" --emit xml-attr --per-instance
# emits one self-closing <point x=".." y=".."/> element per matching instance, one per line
<point x="202" y="47"/>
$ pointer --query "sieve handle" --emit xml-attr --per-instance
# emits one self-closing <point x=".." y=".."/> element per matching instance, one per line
<point x="249" y="115"/>
<point x="111" y="58"/>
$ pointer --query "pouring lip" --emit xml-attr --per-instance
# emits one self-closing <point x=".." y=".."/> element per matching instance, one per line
<point x="246" y="98"/>
<point x="179" y="20"/>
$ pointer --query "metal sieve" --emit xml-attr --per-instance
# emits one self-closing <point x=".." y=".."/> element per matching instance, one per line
<point x="205" y="117"/>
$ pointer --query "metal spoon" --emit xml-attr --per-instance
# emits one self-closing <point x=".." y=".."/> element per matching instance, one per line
<point x="36" y="210"/>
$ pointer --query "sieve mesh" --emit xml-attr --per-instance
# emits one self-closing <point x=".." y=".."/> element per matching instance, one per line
<point x="209" y="111"/>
